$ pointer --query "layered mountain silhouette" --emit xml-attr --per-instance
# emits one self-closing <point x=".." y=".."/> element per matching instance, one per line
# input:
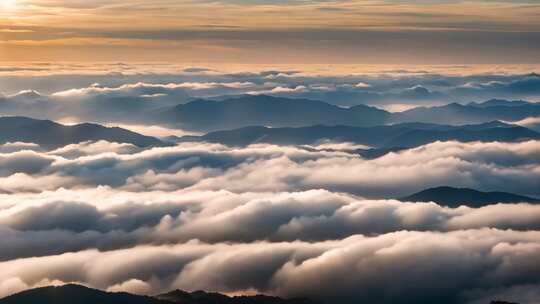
<point x="498" y="102"/>
<point x="49" y="134"/>
<point x="210" y="115"/>
<point x="231" y="112"/>
<point x="262" y="110"/>
<point x="201" y="297"/>
<point x="456" y="113"/>
<point x="381" y="137"/>
<point x="77" y="294"/>
<point x="455" y="197"/>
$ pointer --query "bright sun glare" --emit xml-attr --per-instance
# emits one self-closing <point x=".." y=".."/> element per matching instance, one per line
<point x="8" y="4"/>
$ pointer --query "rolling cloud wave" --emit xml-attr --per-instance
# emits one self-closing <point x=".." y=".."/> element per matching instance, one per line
<point x="274" y="219"/>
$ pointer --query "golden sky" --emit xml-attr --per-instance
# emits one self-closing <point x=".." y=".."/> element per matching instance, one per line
<point x="264" y="31"/>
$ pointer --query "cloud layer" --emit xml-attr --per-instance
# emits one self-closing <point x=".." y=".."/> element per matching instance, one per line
<point x="391" y="268"/>
<point x="280" y="220"/>
<point x="67" y="90"/>
<point x="109" y="219"/>
<point x="511" y="167"/>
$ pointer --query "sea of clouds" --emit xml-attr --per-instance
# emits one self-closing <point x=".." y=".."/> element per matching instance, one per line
<point x="280" y="220"/>
<point x="392" y="87"/>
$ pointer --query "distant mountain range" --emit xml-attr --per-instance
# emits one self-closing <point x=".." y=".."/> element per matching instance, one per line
<point x="261" y="110"/>
<point x="77" y="294"/>
<point x="381" y="137"/>
<point x="201" y="297"/>
<point x="49" y="134"/>
<point x="232" y="112"/>
<point x="455" y="197"/>
<point x="456" y="113"/>
<point x="498" y="103"/>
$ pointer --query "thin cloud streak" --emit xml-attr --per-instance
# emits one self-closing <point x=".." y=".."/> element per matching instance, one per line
<point x="251" y="32"/>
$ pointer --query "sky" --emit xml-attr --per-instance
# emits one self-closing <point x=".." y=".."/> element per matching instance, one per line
<point x="287" y="31"/>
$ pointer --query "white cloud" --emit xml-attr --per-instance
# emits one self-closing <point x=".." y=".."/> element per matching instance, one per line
<point x="511" y="167"/>
<point x="369" y="268"/>
<point x="362" y="85"/>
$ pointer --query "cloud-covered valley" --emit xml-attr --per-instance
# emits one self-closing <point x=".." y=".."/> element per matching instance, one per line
<point x="266" y="218"/>
<point x="461" y="266"/>
<point x="511" y="167"/>
<point x="91" y="219"/>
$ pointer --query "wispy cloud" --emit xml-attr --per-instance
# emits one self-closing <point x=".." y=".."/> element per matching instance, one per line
<point x="359" y="27"/>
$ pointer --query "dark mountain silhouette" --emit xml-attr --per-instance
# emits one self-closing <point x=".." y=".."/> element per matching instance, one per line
<point x="483" y="133"/>
<point x="456" y="113"/>
<point x="49" y="134"/>
<point x="498" y="102"/>
<point x="454" y="197"/>
<point x="201" y="297"/>
<point x="231" y="112"/>
<point x="77" y="294"/>
<point x="376" y="153"/>
<point x="210" y="115"/>
<point x="400" y="135"/>
<point x="180" y="296"/>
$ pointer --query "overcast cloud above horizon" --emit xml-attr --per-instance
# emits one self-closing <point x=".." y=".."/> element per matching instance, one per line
<point x="341" y="31"/>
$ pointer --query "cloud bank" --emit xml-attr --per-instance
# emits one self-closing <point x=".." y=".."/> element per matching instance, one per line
<point x="511" y="167"/>
<point x="280" y="220"/>
<point x="155" y="85"/>
<point x="391" y="268"/>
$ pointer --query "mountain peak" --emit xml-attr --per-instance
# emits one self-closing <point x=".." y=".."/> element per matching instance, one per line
<point x="76" y="294"/>
<point x="79" y="294"/>
<point x="455" y="197"/>
<point x="454" y="105"/>
<point x="27" y="94"/>
<point x="49" y="134"/>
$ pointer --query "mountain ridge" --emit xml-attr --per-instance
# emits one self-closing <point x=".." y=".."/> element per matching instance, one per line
<point x="392" y="136"/>
<point x="79" y="294"/>
<point x="454" y="197"/>
<point x="209" y="115"/>
<point x="50" y="134"/>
